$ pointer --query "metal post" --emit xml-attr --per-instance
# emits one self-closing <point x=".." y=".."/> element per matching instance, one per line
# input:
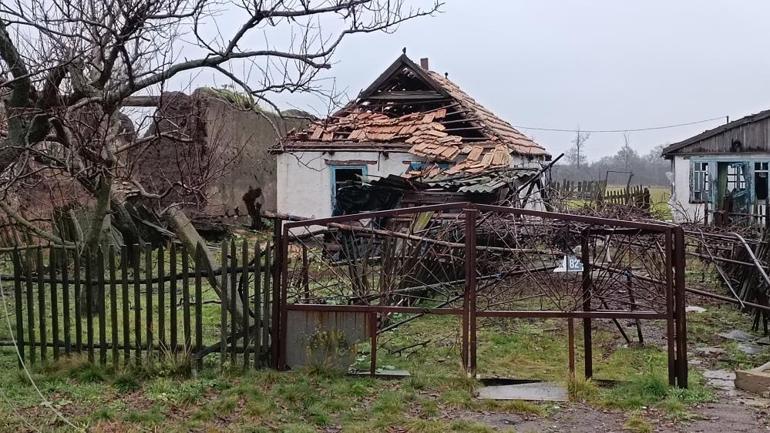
<point x="276" y="305"/>
<point x="631" y="298"/>
<point x="470" y="288"/>
<point x="670" y="307"/>
<point x="284" y="283"/>
<point x="587" y="342"/>
<point x="681" y="315"/>
<point x="305" y="275"/>
<point x="571" y="348"/>
<point x="373" y="339"/>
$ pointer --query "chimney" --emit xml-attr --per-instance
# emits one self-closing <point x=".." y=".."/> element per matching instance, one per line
<point x="424" y="63"/>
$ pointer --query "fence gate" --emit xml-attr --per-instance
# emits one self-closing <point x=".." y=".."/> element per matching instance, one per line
<point x="142" y="305"/>
<point x="358" y="276"/>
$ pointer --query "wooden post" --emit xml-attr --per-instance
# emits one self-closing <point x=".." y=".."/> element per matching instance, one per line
<point x="245" y="301"/>
<point x="30" y="305"/>
<point x="223" y="309"/>
<point x="266" y="306"/>
<point x="66" y="301"/>
<point x="54" y="301"/>
<point x="162" y="343"/>
<point x="258" y="319"/>
<point x="233" y="304"/>
<point x="172" y="299"/>
<point x="41" y="304"/>
<point x="148" y="308"/>
<point x="17" y="298"/>
<point x="125" y="316"/>
<point x="113" y="306"/>
<point x="101" y="305"/>
<point x="137" y="305"/>
<point x="276" y="297"/>
<point x="198" y="307"/>
<point x="186" y="300"/>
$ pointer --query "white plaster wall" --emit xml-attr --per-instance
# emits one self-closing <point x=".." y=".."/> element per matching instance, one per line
<point x="304" y="178"/>
<point x="681" y="208"/>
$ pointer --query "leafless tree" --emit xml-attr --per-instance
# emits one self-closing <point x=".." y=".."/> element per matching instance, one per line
<point x="627" y="151"/>
<point x="69" y="67"/>
<point x="575" y="155"/>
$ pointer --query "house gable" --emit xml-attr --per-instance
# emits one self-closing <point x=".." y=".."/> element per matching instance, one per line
<point x="750" y="134"/>
<point x="408" y="108"/>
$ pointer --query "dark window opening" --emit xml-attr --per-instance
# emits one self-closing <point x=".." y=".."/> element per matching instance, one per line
<point x="346" y="176"/>
<point x="760" y="180"/>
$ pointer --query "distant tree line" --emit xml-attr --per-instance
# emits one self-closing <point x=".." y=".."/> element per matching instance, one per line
<point x="647" y="169"/>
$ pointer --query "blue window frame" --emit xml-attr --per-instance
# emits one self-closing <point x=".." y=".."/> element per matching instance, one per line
<point x="342" y="174"/>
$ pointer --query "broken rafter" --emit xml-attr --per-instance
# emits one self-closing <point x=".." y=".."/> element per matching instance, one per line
<point x="141" y="101"/>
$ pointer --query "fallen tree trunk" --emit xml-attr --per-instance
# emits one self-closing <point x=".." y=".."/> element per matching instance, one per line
<point x="184" y="229"/>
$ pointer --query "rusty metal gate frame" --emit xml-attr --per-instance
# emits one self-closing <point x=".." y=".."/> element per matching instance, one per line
<point x="676" y="330"/>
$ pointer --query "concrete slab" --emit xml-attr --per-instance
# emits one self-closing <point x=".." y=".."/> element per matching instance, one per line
<point x="721" y="379"/>
<point x="749" y="348"/>
<point x="538" y="391"/>
<point x="737" y="335"/>
<point x="756" y="380"/>
<point x="384" y="373"/>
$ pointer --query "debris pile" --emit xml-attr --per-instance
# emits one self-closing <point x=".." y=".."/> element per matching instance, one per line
<point x="415" y="110"/>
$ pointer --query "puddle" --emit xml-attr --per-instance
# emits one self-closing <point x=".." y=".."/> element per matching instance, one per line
<point x="539" y="391"/>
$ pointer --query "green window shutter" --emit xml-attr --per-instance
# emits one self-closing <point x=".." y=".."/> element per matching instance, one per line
<point x="692" y="183"/>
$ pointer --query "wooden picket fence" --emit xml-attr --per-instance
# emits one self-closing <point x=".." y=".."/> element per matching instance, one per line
<point x="580" y="190"/>
<point x="636" y="196"/>
<point x="595" y="191"/>
<point x="142" y="305"/>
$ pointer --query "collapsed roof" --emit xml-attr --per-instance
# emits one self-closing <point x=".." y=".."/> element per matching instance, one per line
<point x="412" y="109"/>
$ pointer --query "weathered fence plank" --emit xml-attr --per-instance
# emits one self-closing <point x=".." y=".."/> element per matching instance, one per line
<point x="54" y="302"/>
<point x="125" y="304"/>
<point x="17" y="298"/>
<point x="113" y="305"/>
<point x="245" y="301"/>
<point x="198" y="305"/>
<point x="66" y="301"/>
<point x="116" y="298"/>
<point x="223" y="310"/>
<point x="41" y="303"/>
<point x="172" y="299"/>
<point x="137" y="307"/>
<point x="101" y="305"/>
<point x="161" y="300"/>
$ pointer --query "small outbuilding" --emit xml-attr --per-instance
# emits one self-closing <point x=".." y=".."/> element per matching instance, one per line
<point x="412" y="123"/>
<point x="721" y="175"/>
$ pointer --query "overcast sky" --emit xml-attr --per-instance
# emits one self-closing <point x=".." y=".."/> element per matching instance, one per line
<point x="598" y="64"/>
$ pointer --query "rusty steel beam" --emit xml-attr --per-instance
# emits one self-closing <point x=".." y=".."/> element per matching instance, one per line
<point x="681" y="315"/>
<point x="373" y="308"/>
<point x="670" y="330"/>
<point x="555" y="314"/>
<point x="586" y="286"/>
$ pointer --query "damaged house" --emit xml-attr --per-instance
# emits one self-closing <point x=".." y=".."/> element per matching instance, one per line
<point x="721" y="175"/>
<point x="414" y="134"/>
